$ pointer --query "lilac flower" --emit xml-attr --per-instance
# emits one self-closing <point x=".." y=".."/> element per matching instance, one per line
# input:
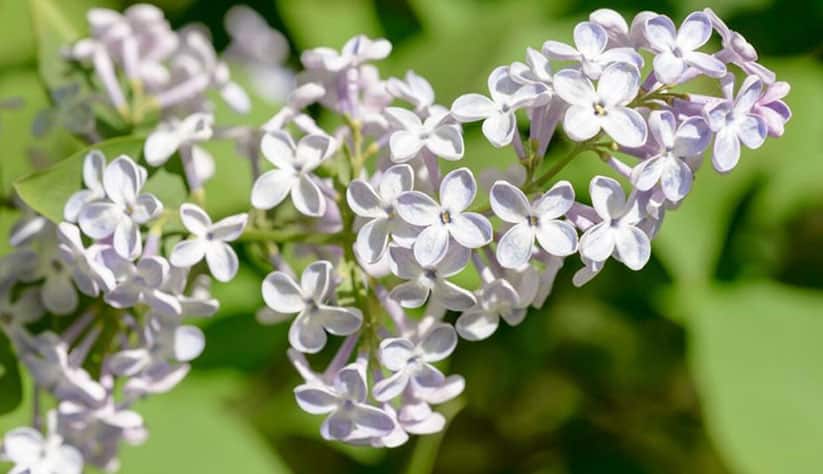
<point x="293" y="175"/>
<point x="93" y="166"/>
<point x="125" y="209"/>
<point x="738" y="50"/>
<point x="183" y="136"/>
<point x="310" y="301"/>
<point x="447" y="220"/>
<point x="209" y="241"/>
<point x="496" y="300"/>
<point x="591" y="39"/>
<point x="378" y="206"/>
<point x="26" y="308"/>
<point x="604" y="108"/>
<point x="89" y="275"/>
<point x="677" y="50"/>
<point x="733" y="122"/>
<point x="141" y="283"/>
<point x="618" y="233"/>
<point x="620" y="33"/>
<point x="676" y="143"/>
<point x="537" y="70"/>
<point x="772" y="109"/>
<point x="411" y="363"/>
<point x="415" y="90"/>
<point x="350" y="417"/>
<point x="33" y="453"/>
<point x="537" y="220"/>
<point x="497" y="113"/>
<point x="356" y="51"/>
<point x="436" y="134"/>
<point x="430" y="279"/>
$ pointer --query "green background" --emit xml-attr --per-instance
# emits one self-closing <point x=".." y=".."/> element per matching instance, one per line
<point x="710" y="360"/>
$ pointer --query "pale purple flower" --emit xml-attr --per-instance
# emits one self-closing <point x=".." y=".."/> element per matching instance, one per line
<point x="350" y="417"/>
<point x="738" y="50"/>
<point x="124" y="211"/>
<point x="590" y="40"/>
<point x="446" y="220"/>
<point x="356" y="51"/>
<point x="415" y="90"/>
<point x="26" y="308"/>
<point x="141" y="283"/>
<point x="676" y="50"/>
<point x="310" y="300"/>
<point x="209" y="241"/>
<point x="539" y="220"/>
<point x="605" y="108"/>
<point x="733" y="122"/>
<point x="436" y="134"/>
<point x="497" y="299"/>
<point x="620" y="33"/>
<point x="378" y="206"/>
<point x="183" y="136"/>
<point x="430" y="279"/>
<point x="537" y="70"/>
<point x="293" y="174"/>
<point x="618" y="233"/>
<point x="33" y="453"/>
<point x="497" y="113"/>
<point x="676" y="143"/>
<point x="90" y="276"/>
<point x="93" y="166"/>
<point x="774" y="111"/>
<point x="411" y="363"/>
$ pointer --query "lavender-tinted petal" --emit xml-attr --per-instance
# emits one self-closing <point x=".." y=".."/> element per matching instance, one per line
<point x="515" y="247"/>
<point x="633" y="246"/>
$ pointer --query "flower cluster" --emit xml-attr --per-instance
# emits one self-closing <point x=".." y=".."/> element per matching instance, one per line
<point x="407" y="252"/>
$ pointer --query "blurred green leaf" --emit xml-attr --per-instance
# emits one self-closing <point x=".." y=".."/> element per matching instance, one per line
<point x="195" y="429"/>
<point x="755" y="351"/>
<point x="18" y="46"/>
<point x="329" y="23"/>
<point x="11" y="387"/>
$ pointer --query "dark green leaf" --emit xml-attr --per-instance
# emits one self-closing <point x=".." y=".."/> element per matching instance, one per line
<point x="11" y="387"/>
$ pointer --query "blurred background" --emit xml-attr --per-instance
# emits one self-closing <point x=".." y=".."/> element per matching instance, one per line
<point x="710" y="360"/>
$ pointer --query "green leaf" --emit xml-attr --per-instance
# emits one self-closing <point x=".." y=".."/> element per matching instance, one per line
<point x="47" y="191"/>
<point x="17" y="46"/>
<point x="755" y="351"/>
<point x="338" y="21"/>
<point x="11" y="387"/>
<point x="194" y="429"/>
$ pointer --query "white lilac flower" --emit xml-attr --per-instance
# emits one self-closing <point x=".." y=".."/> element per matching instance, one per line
<point x="58" y="292"/>
<point x="356" y="51"/>
<point x="676" y="143"/>
<point x="620" y="33"/>
<point x="497" y="113"/>
<point x="209" y="241"/>
<point x="539" y="220"/>
<point x="183" y="135"/>
<point x="378" y="206"/>
<point x="33" y="453"/>
<point x="537" y="70"/>
<point x="350" y="417"/>
<point x="497" y="299"/>
<point x="141" y="283"/>
<point x="93" y="166"/>
<point x="618" y="233"/>
<point x="415" y="90"/>
<point x="124" y="211"/>
<point x="26" y="308"/>
<point x="411" y="363"/>
<point x="446" y="220"/>
<point x="430" y="280"/>
<point x="591" y="39"/>
<point x="676" y="50"/>
<point x="605" y="108"/>
<point x="310" y="300"/>
<point x="293" y="175"/>
<point x="733" y="122"/>
<point x="198" y="302"/>
<point x="89" y="275"/>
<point x="436" y="134"/>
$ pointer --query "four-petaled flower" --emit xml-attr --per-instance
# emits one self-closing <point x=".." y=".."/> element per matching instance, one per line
<point x="293" y="175"/>
<point x="141" y="283"/>
<point x="310" y="300"/>
<point x="604" y="108"/>
<point x="447" y="220"/>
<point x="498" y="299"/>
<point x="125" y="209"/>
<point x="436" y="134"/>
<point x="33" y="453"/>
<point x="497" y="113"/>
<point x="677" y="50"/>
<point x="430" y="280"/>
<point x="536" y="220"/>
<point x="676" y="142"/>
<point x="618" y="232"/>
<point x="411" y="363"/>
<point x="591" y="40"/>
<point x="350" y="417"/>
<point x="209" y="241"/>
<point x="93" y="166"/>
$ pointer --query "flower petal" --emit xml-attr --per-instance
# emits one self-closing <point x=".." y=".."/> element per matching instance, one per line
<point x="371" y="421"/>
<point x="499" y="128"/>
<point x="307" y="197"/>
<point x="404" y="145"/>
<point x="662" y="125"/>
<point x="59" y="295"/>
<point x="339" y="321"/>
<point x="590" y="39"/>
<point x="750" y="92"/>
<point x="477" y="325"/>
<point x="561" y="51"/>
<point x="626" y="126"/>
<point x="618" y="85"/>
<point x="633" y="247"/>
<point x="23" y="446"/>
<point x="363" y="200"/>
<point x="608" y="197"/>
<point x="306" y="335"/>
<point x="726" y="150"/>
<point x="555" y="202"/>
<point x="391" y="386"/>
<point x="446" y="141"/>
<point x="315" y="399"/>
<point x="597" y="243"/>
<point x="281" y="293"/>
<point x="661" y="33"/>
<point x="417" y="208"/>
<point x="188" y="252"/>
<point x="472" y="107"/>
<point x="452" y="296"/>
<point x="122" y="180"/>
<point x="222" y="261"/>
<point x="706" y="63"/>
<point x="751" y="130"/>
<point x="279" y="148"/>
<point x="557" y="237"/>
<point x="272" y="187"/>
<point x="676" y="179"/>
<point x="99" y="219"/>
<point x="127" y="240"/>
<point x="195" y="219"/>
<point x="431" y="245"/>
<point x="316" y="282"/>
<point x="439" y="343"/>
<point x="189" y="342"/>
<point x="515" y="247"/>
<point x="404" y="119"/>
<point x="395" y="353"/>
<point x="161" y="145"/>
<point x="410" y="294"/>
<point x="229" y="228"/>
<point x="471" y="230"/>
<point x="402" y="262"/>
<point x="574" y="87"/>
<point x="647" y="173"/>
<point x="372" y="240"/>
<point x="396" y="179"/>
<point x="692" y="137"/>
<point x="457" y="191"/>
<point x="580" y="122"/>
<point x="509" y="203"/>
<point x="694" y="31"/>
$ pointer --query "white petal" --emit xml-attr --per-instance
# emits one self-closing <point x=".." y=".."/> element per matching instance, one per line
<point x="146" y="208"/>
<point x="99" y="219"/>
<point x="431" y="245"/>
<point x="372" y="240"/>
<point x="404" y="119"/>
<point x="307" y="197"/>
<point x="306" y="335"/>
<point x="122" y="180"/>
<point x="626" y="126"/>
<point x="619" y="83"/>
<point x="676" y="180"/>
<point x="692" y="137"/>
<point x="75" y="204"/>
<point x="508" y="202"/>
<point x="127" y="240"/>
<point x="515" y="247"/>
<point x="750" y="92"/>
<point x="402" y="262"/>
<point x="499" y="128"/>
<point x="597" y="243"/>
<point x="633" y="247"/>
<point x="391" y="386"/>
<point x="580" y="122"/>
<point x="410" y="294"/>
<point x="188" y="252"/>
<point x="271" y="188"/>
<point x="661" y="33"/>
<point x="647" y="173"/>
<point x="439" y="343"/>
<point x="93" y="167"/>
<point x="317" y="281"/>
<point x="315" y="399"/>
<point x="562" y="51"/>
<point x="574" y="87"/>
<point x="235" y="97"/>
<point x="694" y="31"/>
<point x="453" y="297"/>
<point x="229" y="228"/>
<point x="395" y="353"/>
<point x="454" y="261"/>
<point x="395" y="180"/>
<point x="404" y="145"/>
<point x="222" y="261"/>
<point x="590" y="39"/>
<point x="668" y="68"/>
<point x="662" y="124"/>
<point x="477" y="325"/>
<point x="446" y="141"/>
<point x="339" y="321"/>
<point x="726" y="150"/>
<point x="363" y="199"/>
<point x="706" y="63"/>
<point x="471" y="107"/>
<point x="471" y="230"/>
<point x="372" y="421"/>
<point x="161" y="145"/>
<point x="457" y="190"/>
<point x="752" y="131"/>
<point x="23" y="446"/>
<point x="189" y="342"/>
<point x="608" y="197"/>
<point x="279" y="148"/>
<point x="195" y="219"/>
<point x="281" y="293"/>
<point x="555" y="202"/>
<point x="417" y="208"/>
<point x="557" y="237"/>
<point x="59" y="295"/>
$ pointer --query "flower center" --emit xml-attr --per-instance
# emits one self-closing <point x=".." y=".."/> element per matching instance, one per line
<point x="599" y="109"/>
<point x="445" y="217"/>
<point x="57" y="266"/>
<point x="533" y="221"/>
